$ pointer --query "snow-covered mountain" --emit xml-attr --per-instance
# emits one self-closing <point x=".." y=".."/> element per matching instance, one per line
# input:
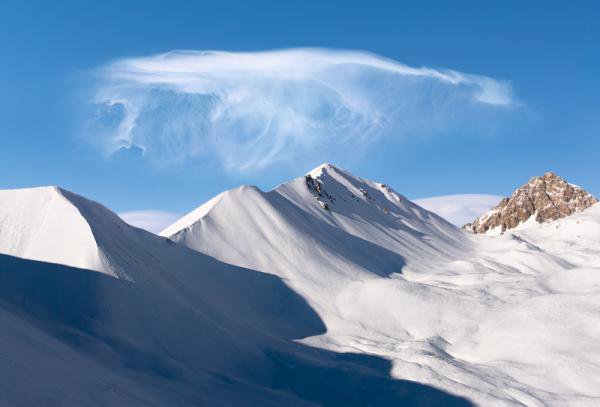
<point x="326" y="226"/>
<point x="328" y="290"/>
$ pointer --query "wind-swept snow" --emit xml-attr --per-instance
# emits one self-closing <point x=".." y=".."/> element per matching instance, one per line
<point x="479" y="316"/>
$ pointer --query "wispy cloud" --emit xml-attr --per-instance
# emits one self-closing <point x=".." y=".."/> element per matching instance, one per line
<point x="150" y="220"/>
<point x="249" y="110"/>
<point x="459" y="209"/>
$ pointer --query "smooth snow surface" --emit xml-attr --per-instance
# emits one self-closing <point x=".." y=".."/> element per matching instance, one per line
<point x="509" y="320"/>
<point x="43" y="224"/>
<point x="459" y="209"/>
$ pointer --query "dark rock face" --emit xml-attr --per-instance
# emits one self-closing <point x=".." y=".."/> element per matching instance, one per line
<point x="316" y="187"/>
<point x="548" y="197"/>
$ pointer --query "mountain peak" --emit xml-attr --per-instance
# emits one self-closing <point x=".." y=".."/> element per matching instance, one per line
<point x="315" y="172"/>
<point x="45" y="224"/>
<point x="547" y="197"/>
<point x="54" y="225"/>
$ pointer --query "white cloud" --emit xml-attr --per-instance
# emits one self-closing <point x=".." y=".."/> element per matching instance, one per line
<point x="459" y="209"/>
<point x="249" y="110"/>
<point x="150" y="220"/>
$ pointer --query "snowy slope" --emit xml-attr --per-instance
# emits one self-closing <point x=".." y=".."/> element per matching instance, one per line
<point x="159" y="324"/>
<point x="42" y="224"/>
<point x="474" y="315"/>
<point x="368" y="231"/>
<point x="365" y="224"/>
<point x="575" y="238"/>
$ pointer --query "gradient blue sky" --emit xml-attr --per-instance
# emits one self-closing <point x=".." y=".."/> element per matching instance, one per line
<point x="549" y="51"/>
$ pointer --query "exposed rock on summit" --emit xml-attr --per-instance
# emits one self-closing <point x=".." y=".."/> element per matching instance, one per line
<point x="548" y="198"/>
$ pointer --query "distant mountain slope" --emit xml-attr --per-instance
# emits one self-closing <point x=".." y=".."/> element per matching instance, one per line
<point x="545" y="198"/>
<point x="575" y="238"/>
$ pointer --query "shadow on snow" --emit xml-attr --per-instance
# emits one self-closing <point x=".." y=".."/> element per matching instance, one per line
<point x="224" y="336"/>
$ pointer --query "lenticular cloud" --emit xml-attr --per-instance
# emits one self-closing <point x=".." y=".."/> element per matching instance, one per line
<point x="250" y="110"/>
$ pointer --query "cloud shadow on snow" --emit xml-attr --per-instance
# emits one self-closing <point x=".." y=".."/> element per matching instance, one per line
<point x="241" y="345"/>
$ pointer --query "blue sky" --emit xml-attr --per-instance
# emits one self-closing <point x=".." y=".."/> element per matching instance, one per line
<point x="58" y="59"/>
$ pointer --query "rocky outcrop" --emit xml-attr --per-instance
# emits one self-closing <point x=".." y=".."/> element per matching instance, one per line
<point x="315" y="186"/>
<point x="548" y="198"/>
